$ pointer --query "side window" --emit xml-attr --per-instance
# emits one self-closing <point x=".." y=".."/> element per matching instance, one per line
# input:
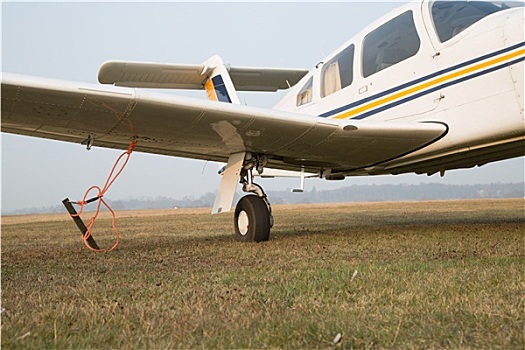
<point x="389" y="44"/>
<point x="305" y="95"/>
<point x="338" y="73"/>
<point x="452" y="17"/>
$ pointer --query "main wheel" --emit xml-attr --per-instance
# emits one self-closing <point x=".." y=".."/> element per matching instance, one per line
<point x="252" y="220"/>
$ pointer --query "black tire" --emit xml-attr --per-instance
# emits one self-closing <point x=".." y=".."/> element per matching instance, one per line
<point x="251" y="220"/>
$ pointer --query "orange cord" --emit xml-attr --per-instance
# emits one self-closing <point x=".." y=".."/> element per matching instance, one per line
<point x="111" y="178"/>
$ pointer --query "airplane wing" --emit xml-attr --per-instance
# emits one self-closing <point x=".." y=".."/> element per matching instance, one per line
<point x="193" y="128"/>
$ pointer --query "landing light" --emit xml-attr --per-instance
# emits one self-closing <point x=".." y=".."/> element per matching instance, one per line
<point x="350" y="128"/>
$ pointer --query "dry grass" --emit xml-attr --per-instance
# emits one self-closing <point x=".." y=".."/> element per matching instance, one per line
<point x="429" y="275"/>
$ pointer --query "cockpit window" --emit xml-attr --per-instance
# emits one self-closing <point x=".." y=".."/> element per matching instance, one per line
<point x="452" y="17"/>
<point x="338" y="73"/>
<point x="391" y="43"/>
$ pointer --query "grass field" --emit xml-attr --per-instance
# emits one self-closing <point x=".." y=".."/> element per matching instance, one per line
<point x="419" y="275"/>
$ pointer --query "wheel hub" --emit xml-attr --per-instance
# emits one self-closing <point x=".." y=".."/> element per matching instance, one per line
<point x="243" y="222"/>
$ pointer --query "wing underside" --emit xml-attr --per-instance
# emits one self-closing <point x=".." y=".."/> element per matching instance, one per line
<point x="201" y="129"/>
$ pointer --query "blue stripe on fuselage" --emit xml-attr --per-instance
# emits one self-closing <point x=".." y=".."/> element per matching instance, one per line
<point x="420" y="80"/>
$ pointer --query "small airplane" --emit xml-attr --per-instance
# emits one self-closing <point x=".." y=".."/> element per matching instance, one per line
<point x="430" y="87"/>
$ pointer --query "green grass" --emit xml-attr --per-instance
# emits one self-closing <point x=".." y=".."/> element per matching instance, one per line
<point x="429" y="275"/>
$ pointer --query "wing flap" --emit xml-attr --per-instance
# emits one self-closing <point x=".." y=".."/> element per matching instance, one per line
<point x="202" y="129"/>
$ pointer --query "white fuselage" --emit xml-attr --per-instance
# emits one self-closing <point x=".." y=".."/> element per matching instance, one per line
<point x="470" y="79"/>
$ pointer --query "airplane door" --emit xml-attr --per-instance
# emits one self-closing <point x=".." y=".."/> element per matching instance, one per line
<point x="398" y="61"/>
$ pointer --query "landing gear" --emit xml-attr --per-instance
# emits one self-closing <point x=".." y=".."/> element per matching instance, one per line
<point x="253" y="214"/>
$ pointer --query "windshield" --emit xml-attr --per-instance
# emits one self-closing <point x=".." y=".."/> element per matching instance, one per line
<point x="452" y="17"/>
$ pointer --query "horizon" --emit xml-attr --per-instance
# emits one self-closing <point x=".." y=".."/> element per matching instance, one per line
<point x="478" y="191"/>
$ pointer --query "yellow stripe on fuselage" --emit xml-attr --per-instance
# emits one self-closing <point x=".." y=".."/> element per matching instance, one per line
<point x="428" y="84"/>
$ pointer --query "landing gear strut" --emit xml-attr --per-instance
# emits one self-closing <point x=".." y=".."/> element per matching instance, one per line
<point x="253" y="214"/>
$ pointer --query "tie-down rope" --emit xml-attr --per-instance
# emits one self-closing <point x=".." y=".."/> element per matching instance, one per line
<point x="101" y="191"/>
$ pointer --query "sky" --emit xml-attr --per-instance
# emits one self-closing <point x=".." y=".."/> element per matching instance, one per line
<point x="70" y="41"/>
